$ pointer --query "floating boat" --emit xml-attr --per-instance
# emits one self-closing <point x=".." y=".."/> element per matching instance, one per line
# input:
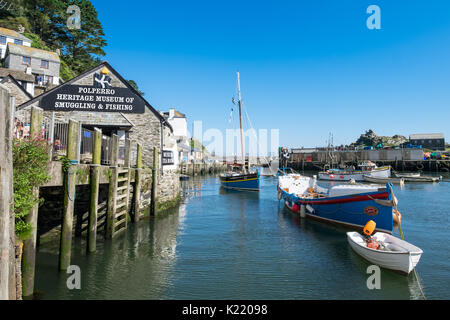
<point x="184" y="177"/>
<point x="368" y="178"/>
<point x="349" y="205"/>
<point x="386" y="251"/>
<point x="242" y="179"/>
<point x="367" y="168"/>
<point x="407" y="174"/>
<point x="371" y="179"/>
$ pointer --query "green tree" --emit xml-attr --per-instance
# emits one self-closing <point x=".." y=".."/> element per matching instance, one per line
<point x="135" y="86"/>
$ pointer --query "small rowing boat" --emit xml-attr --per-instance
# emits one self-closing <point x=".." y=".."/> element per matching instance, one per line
<point x="385" y="250"/>
<point x="371" y="179"/>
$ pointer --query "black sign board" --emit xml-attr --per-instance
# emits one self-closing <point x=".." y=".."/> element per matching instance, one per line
<point x="92" y="99"/>
<point x="167" y="157"/>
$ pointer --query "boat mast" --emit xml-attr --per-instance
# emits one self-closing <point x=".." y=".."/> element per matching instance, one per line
<point x="240" y="120"/>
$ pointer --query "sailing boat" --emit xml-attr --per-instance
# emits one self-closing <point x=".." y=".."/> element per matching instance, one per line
<point x="244" y="179"/>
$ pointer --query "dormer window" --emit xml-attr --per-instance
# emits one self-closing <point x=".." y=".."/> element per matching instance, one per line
<point x="18" y="41"/>
<point x="44" y="64"/>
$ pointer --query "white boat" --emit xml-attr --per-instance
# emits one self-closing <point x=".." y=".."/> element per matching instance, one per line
<point x="407" y="174"/>
<point x="368" y="168"/>
<point x="394" y="254"/>
<point x="370" y="179"/>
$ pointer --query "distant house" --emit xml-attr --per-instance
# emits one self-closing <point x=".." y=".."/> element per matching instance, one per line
<point x="11" y="36"/>
<point x="434" y="141"/>
<point x="179" y="124"/>
<point x="42" y="64"/>
<point x="25" y="80"/>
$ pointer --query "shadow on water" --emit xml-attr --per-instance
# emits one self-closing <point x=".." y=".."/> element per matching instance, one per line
<point x="143" y="254"/>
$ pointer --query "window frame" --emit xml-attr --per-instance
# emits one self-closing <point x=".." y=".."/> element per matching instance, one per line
<point x="18" y="41"/>
<point x="23" y="60"/>
<point x="48" y="64"/>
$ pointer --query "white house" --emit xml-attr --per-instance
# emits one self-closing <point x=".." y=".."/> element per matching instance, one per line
<point x="11" y="36"/>
<point x="179" y="124"/>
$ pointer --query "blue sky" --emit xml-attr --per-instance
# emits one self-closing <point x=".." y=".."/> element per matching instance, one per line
<point x="307" y="67"/>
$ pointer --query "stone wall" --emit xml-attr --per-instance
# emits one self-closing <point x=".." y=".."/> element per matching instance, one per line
<point x="169" y="188"/>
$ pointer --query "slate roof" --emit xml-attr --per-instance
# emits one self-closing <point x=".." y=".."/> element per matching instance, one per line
<point x="13" y="34"/>
<point x="426" y="136"/>
<point x="18" y="75"/>
<point x="32" y="52"/>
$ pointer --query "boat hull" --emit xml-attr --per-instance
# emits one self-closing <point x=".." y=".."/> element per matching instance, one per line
<point x="403" y="261"/>
<point x="383" y="180"/>
<point x="351" y="211"/>
<point x="383" y="172"/>
<point x="241" y="182"/>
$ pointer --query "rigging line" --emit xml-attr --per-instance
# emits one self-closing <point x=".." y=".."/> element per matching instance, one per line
<point x="254" y="132"/>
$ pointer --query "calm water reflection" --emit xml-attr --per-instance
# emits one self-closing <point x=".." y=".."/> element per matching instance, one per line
<point x="222" y="244"/>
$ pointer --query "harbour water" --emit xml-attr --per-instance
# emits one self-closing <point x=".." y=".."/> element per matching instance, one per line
<point x="241" y="245"/>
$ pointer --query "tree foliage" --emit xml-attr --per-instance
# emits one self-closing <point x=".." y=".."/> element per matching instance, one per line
<point x="45" y="22"/>
<point x="30" y="170"/>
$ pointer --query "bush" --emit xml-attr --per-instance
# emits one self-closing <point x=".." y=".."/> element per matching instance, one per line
<point x="30" y="170"/>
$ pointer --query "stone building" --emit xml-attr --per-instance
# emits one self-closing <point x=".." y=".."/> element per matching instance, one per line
<point x="42" y="64"/>
<point x="17" y="89"/>
<point x="10" y="36"/>
<point x="87" y="97"/>
<point x="433" y="141"/>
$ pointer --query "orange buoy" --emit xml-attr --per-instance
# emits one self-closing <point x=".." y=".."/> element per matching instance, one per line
<point x="394" y="216"/>
<point x="369" y="227"/>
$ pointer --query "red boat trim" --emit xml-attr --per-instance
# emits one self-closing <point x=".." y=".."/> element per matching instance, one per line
<point x="355" y="198"/>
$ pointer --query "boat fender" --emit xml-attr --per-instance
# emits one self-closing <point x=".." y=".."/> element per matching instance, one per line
<point x="419" y="166"/>
<point x="295" y="207"/>
<point x="279" y="195"/>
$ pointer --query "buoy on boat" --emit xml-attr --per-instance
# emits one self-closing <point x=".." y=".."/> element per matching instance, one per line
<point x="394" y="216"/>
<point x="295" y="207"/>
<point x="302" y="211"/>
<point x="369" y="227"/>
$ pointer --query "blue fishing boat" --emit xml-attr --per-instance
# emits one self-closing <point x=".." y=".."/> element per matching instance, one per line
<point x="240" y="177"/>
<point x="348" y="205"/>
<point x="240" y="181"/>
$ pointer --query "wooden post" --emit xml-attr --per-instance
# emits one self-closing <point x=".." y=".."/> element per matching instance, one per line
<point x="137" y="184"/>
<point x="6" y="194"/>
<point x="112" y="194"/>
<point x="95" y="182"/>
<point x="73" y="146"/>
<point x="154" y="194"/>
<point x="127" y="153"/>
<point x="29" y="245"/>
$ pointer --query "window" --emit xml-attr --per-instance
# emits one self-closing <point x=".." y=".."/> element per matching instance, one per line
<point x="2" y="39"/>
<point x="48" y="79"/>
<point x="44" y="64"/>
<point x="26" y="60"/>
<point x="17" y="41"/>
<point x="0" y="52"/>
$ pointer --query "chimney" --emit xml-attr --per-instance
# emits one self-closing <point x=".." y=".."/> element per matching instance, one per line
<point x="171" y="113"/>
<point x="28" y="70"/>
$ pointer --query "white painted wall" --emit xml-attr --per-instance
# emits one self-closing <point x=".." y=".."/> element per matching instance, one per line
<point x="8" y="40"/>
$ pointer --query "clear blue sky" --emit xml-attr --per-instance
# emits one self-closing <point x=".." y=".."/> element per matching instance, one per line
<point x="307" y="67"/>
